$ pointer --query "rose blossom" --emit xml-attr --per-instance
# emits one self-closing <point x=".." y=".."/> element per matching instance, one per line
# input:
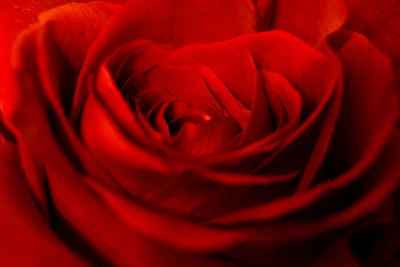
<point x="199" y="133"/>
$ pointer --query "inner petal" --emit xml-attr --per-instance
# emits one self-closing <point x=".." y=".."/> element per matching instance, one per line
<point x="177" y="102"/>
<point x="181" y="82"/>
<point x="207" y="137"/>
<point x="180" y="112"/>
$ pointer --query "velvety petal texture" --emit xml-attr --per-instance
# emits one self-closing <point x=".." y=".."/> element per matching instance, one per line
<point x="26" y="237"/>
<point x="50" y="84"/>
<point x="198" y="133"/>
<point x="379" y="21"/>
<point x="310" y="20"/>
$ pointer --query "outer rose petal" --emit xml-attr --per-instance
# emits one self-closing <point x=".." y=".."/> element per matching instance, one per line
<point x="59" y="43"/>
<point x="48" y="87"/>
<point x="369" y="110"/>
<point x="272" y="240"/>
<point x="379" y="21"/>
<point x="310" y="20"/>
<point x="378" y="243"/>
<point x="339" y="254"/>
<point x="5" y="134"/>
<point x="25" y="237"/>
<point x="16" y="15"/>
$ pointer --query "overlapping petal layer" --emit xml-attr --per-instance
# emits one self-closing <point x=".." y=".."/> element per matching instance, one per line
<point x="265" y="165"/>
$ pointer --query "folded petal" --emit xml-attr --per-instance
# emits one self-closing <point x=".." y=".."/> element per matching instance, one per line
<point x="25" y="236"/>
<point x="171" y="22"/>
<point x="369" y="110"/>
<point x="207" y="137"/>
<point x="310" y="20"/>
<point x="43" y="80"/>
<point x="307" y="70"/>
<point x="378" y="21"/>
<point x="18" y="15"/>
<point x="338" y="254"/>
<point x="102" y="232"/>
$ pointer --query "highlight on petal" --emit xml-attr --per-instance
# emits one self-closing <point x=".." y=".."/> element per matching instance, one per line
<point x="208" y="137"/>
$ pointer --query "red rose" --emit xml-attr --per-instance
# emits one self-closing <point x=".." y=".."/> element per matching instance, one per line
<point x="198" y="133"/>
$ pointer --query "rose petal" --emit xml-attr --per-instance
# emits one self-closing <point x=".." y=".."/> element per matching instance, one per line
<point x="323" y="143"/>
<point x="118" y="112"/>
<point x="377" y="21"/>
<point x="36" y="98"/>
<point x="171" y="22"/>
<point x="176" y="184"/>
<point x="283" y="98"/>
<point x="157" y="119"/>
<point x="235" y="67"/>
<point x="26" y="237"/>
<point x="371" y="190"/>
<point x="20" y="14"/>
<point x="291" y="101"/>
<point x="63" y="22"/>
<point x="184" y="83"/>
<point x="338" y="254"/>
<point x="310" y="20"/>
<point x="369" y="110"/>
<point x="147" y="99"/>
<point x="278" y="232"/>
<point x="265" y="13"/>
<point x="133" y="121"/>
<point x="208" y="89"/>
<point x="131" y="157"/>
<point x="380" y="23"/>
<point x="17" y="15"/>
<point x="261" y="121"/>
<point x="378" y="243"/>
<point x="208" y="137"/>
<point x="309" y="71"/>
<point x="105" y="235"/>
<point x="103" y="137"/>
<point x="274" y="51"/>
